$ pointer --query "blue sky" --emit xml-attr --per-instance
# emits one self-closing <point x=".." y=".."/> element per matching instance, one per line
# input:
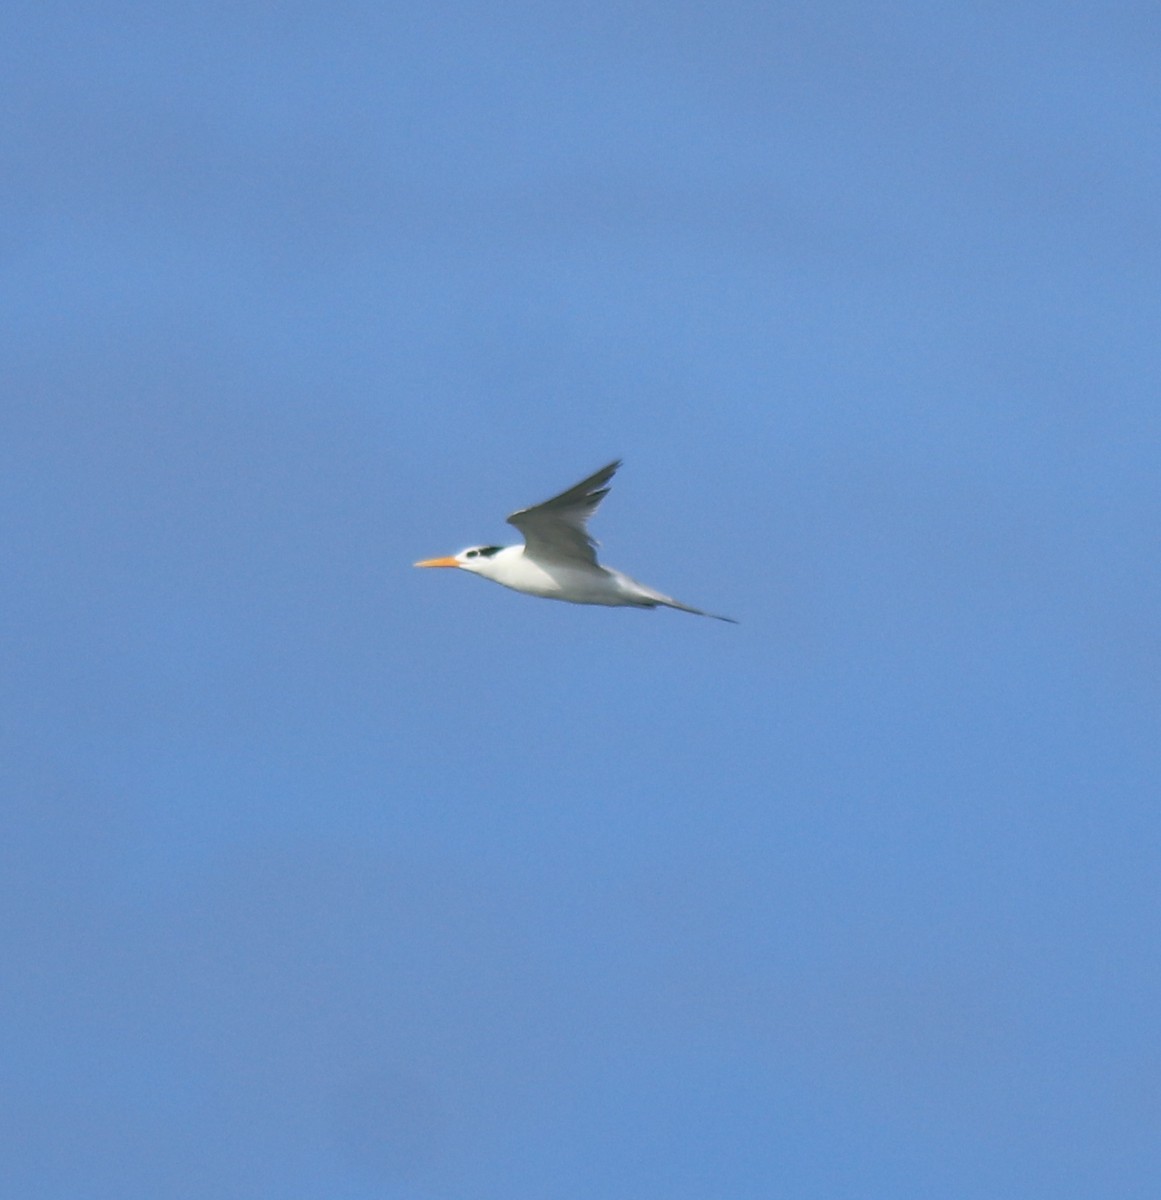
<point x="327" y="878"/>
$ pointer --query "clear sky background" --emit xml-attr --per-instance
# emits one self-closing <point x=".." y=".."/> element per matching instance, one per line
<point x="327" y="879"/>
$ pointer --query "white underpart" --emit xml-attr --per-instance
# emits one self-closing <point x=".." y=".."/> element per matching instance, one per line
<point x="578" y="583"/>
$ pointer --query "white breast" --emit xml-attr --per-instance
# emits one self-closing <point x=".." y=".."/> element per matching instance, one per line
<point x="578" y="582"/>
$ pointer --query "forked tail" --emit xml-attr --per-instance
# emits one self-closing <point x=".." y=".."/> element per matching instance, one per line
<point x="647" y="597"/>
<point x="656" y="598"/>
<point x="669" y="602"/>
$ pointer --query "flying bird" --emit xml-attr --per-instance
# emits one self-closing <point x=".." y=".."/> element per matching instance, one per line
<point x="559" y="559"/>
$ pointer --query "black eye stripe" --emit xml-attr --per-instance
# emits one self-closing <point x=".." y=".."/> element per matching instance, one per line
<point x="488" y="551"/>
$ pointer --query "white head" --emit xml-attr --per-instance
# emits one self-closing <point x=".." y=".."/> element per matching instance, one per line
<point x="476" y="559"/>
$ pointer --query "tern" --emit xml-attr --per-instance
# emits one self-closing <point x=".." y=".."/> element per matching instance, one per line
<point x="558" y="560"/>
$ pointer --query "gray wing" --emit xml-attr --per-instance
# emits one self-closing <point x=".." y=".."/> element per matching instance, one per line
<point x="555" y="530"/>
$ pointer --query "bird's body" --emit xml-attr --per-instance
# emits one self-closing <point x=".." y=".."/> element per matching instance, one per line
<point x="579" y="584"/>
<point x="558" y="560"/>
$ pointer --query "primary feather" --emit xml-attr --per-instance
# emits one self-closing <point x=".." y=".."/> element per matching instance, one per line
<point x="556" y="530"/>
